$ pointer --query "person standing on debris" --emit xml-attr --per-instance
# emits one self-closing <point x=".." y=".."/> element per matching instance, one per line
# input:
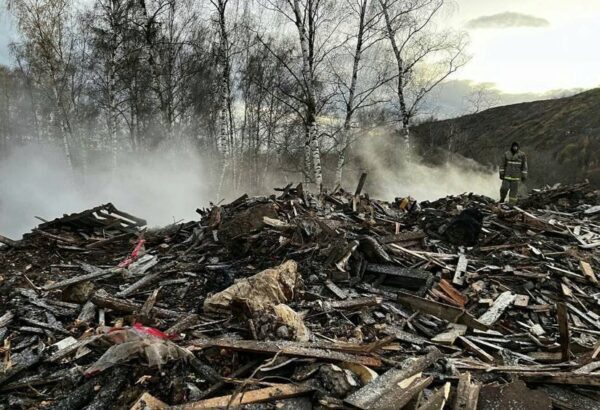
<point x="513" y="170"/>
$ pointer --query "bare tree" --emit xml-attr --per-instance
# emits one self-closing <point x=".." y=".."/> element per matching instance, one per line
<point x="225" y="142"/>
<point x="483" y="97"/>
<point x="316" y="24"/>
<point x="423" y="57"/>
<point x="358" y="86"/>
<point x="49" y="49"/>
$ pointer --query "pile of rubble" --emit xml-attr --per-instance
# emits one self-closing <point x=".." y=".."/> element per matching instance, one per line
<point x="299" y="301"/>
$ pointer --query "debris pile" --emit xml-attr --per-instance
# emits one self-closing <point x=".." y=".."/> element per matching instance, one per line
<point x="297" y="301"/>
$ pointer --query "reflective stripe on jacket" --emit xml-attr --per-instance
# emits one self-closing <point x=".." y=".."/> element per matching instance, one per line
<point x="513" y="167"/>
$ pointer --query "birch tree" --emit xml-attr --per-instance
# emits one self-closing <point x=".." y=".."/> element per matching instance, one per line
<point x="423" y="56"/>
<point x="110" y="23"/>
<point x="225" y="141"/>
<point x="316" y="23"/>
<point x="358" y="86"/>
<point x="49" y="48"/>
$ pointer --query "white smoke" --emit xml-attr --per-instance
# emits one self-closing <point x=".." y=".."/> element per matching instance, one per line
<point x="162" y="187"/>
<point x="169" y="184"/>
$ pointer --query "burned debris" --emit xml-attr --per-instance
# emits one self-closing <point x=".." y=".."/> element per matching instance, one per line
<point x="298" y="300"/>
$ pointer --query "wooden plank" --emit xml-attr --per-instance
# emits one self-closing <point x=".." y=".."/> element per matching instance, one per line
<point x="566" y="290"/>
<point x="451" y="291"/>
<point x="287" y="348"/>
<point x="336" y="290"/>
<point x="449" y="336"/>
<point x="584" y="316"/>
<point x="83" y="278"/>
<point x="355" y="303"/>
<point x="140" y="284"/>
<point x="476" y="350"/>
<point x="6" y="318"/>
<point x="588" y="272"/>
<point x="500" y="304"/>
<point x="441" y="310"/>
<point x="467" y="393"/>
<point x="563" y="329"/>
<point x="102" y="299"/>
<point x="64" y="352"/>
<point x="521" y="300"/>
<point x="461" y="270"/>
<point x="361" y="184"/>
<point x="385" y="387"/>
<point x="272" y="393"/>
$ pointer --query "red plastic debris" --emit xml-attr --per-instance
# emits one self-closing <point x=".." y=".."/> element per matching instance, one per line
<point x="134" y="254"/>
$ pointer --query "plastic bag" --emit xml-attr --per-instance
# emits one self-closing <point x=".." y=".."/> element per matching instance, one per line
<point x="138" y="341"/>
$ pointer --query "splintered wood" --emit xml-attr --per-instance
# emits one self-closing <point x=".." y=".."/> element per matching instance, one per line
<point x="500" y="305"/>
<point x="298" y="300"/>
<point x="276" y="392"/>
<point x="461" y="270"/>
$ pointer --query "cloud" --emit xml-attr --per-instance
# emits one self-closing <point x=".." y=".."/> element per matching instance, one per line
<point x="507" y="20"/>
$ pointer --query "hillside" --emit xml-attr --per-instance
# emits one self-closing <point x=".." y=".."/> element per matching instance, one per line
<point x="560" y="137"/>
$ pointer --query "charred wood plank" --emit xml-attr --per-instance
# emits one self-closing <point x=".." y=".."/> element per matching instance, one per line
<point x="383" y="390"/>
<point x="411" y="279"/>
<point x="293" y="349"/>
<point x="64" y="352"/>
<point x="82" y="278"/>
<point x="22" y="361"/>
<point x="440" y="310"/>
<point x="461" y="270"/>
<point x="45" y="325"/>
<point x="467" y="393"/>
<point x="361" y="184"/>
<point x="102" y="299"/>
<point x="476" y="350"/>
<point x="106" y="397"/>
<point x="501" y="303"/>
<point x="563" y="330"/>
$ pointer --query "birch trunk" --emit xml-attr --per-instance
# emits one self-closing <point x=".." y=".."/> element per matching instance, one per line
<point x="312" y="153"/>
<point x="404" y="114"/>
<point x="316" y="154"/>
<point x="350" y="104"/>
<point x="226" y="132"/>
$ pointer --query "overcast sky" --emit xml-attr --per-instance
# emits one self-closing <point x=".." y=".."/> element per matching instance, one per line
<point x="522" y="46"/>
<point x="531" y="45"/>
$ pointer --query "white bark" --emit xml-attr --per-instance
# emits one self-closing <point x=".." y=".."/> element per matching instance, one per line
<point x="403" y="130"/>
<point x="316" y="154"/>
<point x="312" y="145"/>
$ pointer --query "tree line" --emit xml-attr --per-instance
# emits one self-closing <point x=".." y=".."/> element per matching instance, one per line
<point x="262" y="86"/>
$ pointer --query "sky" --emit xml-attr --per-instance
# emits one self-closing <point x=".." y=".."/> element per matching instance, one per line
<point x="525" y="48"/>
<point x="6" y="34"/>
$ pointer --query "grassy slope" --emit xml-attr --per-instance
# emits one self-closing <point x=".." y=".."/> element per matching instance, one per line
<point x="561" y="137"/>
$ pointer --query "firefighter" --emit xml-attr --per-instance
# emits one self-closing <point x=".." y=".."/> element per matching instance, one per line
<point x="513" y="170"/>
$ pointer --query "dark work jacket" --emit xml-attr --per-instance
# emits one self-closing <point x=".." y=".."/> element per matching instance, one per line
<point x="513" y="167"/>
